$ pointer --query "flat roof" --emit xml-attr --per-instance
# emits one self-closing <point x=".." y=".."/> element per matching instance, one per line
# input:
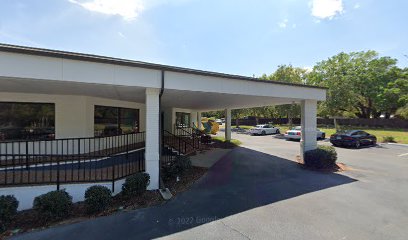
<point x="131" y="63"/>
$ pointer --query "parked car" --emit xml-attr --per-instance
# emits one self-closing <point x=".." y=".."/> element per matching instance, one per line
<point x="296" y="134"/>
<point x="219" y="121"/>
<point x="264" y="129"/>
<point x="353" y="138"/>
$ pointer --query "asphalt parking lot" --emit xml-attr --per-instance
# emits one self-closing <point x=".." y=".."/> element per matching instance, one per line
<point x="258" y="191"/>
<point x="382" y="156"/>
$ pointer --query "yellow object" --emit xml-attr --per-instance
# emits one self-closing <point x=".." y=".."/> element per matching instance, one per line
<point x="210" y="126"/>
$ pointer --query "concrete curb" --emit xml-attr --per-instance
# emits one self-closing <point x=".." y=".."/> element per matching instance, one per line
<point x="395" y="144"/>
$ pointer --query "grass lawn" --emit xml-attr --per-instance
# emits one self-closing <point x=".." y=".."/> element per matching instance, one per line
<point x="399" y="135"/>
<point x="222" y="139"/>
<point x="246" y="127"/>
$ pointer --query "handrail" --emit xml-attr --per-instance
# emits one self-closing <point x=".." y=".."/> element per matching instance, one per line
<point x="62" y="139"/>
<point x="192" y="135"/>
<point x="173" y="135"/>
<point x="71" y="160"/>
<point x="188" y="133"/>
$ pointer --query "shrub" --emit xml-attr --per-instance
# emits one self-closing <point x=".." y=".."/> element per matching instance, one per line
<point x="53" y="205"/>
<point x="320" y="158"/>
<point x="136" y="184"/>
<point x="176" y="168"/>
<point x="97" y="199"/>
<point x="389" y="139"/>
<point x="8" y="209"/>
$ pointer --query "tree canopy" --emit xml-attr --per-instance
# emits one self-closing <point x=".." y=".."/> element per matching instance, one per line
<point x="360" y="84"/>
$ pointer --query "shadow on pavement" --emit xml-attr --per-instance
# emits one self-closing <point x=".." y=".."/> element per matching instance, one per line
<point x="242" y="180"/>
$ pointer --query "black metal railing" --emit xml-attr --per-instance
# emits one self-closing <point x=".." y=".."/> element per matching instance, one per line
<point x="173" y="145"/>
<point x="71" y="160"/>
<point x="184" y="131"/>
<point x="188" y="132"/>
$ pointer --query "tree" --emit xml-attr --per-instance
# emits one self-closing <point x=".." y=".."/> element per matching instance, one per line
<point x="288" y="74"/>
<point x="354" y="83"/>
<point x="394" y="97"/>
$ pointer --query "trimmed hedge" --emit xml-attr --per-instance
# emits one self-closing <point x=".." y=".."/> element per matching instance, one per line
<point x="8" y="209"/>
<point x="97" y="198"/>
<point x="53" y="205"/>
<point x="135" y="184"/>
<point x="176" y="168"/>
<point x="321" y="158"/>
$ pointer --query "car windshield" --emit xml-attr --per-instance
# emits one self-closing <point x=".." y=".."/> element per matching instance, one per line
<point x="347" y="132"/>
<point x="297" y="128"/>
<point x="260" y="126"/>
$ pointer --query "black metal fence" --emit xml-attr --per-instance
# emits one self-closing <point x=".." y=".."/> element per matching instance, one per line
<point x="184" y="131"/>
<point x="173" y="145"/>
<point x="189" y="134"/>
<point x="71" y="160"/>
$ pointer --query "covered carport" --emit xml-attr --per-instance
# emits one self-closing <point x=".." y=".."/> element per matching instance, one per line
<point x="77" y="82"/>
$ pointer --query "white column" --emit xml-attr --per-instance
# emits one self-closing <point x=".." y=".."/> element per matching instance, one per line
<point x="309" y="126"/>
<point x="199" y="124"/>
<point x="152" y="154"/>
<point x="228" y="124"/>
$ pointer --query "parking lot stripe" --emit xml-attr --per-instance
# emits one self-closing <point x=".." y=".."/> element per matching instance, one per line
<point x="401" y="155"/>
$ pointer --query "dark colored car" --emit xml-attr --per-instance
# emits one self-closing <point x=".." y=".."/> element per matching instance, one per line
<point x="353" y="138"/>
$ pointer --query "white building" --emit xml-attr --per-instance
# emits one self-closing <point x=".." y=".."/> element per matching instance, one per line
<point x="78" y="85"/>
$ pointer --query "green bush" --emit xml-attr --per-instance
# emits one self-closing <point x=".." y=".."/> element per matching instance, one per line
<point x="389" y="139"/>
<point x="180" y="165"/>
<point x="97" y="198"/>
<point x="320" y="158"/>
<point x="53" y="205"/>
<point x="136" y="184"/>
<point x="8" y="209"/>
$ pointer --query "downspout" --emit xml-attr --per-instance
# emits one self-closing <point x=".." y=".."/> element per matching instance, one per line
<point x="161" y="183"/>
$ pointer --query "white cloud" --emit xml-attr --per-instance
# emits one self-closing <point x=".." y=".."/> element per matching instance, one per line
<point x="326" y="9"/>
<point x="357" y="6"/>
<point x="127" y="9"/>
<point x="283" y="24"/>
<point x="121" y="35"/>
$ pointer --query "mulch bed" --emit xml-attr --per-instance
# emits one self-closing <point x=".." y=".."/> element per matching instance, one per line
<point x="338" y="167"/>
<point x="29" y="220"/>
<point x="185" y="181"/>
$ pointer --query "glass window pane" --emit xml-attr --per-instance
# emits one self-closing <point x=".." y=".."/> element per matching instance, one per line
<point x="182" y="119"/>
<point x="106" y="121"/>
<point x="24" y="121"/>
<point x="129" y="121"/>
<point x="113" y="120"/>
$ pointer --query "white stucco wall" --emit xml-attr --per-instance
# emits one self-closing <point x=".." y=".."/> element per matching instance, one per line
<point x="25" y="195"/>
<point x="74" y="115"/>
<point x="48" y="68"/>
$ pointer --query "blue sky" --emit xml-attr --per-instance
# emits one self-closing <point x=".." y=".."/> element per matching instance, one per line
<point x="231" y="36"/>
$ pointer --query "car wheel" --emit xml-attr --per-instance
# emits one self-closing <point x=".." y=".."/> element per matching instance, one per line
<point x="358" y="144"/>
<point x="277" y="131"/>
<point x="374" y="142"/>
<point x="263" y="133"/>
<point x="323" y="136"/>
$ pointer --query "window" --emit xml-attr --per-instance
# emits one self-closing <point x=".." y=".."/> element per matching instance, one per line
<point x="27" y="121"/>
<point x="182" y="119"/>
<point x="113" y="120"/>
